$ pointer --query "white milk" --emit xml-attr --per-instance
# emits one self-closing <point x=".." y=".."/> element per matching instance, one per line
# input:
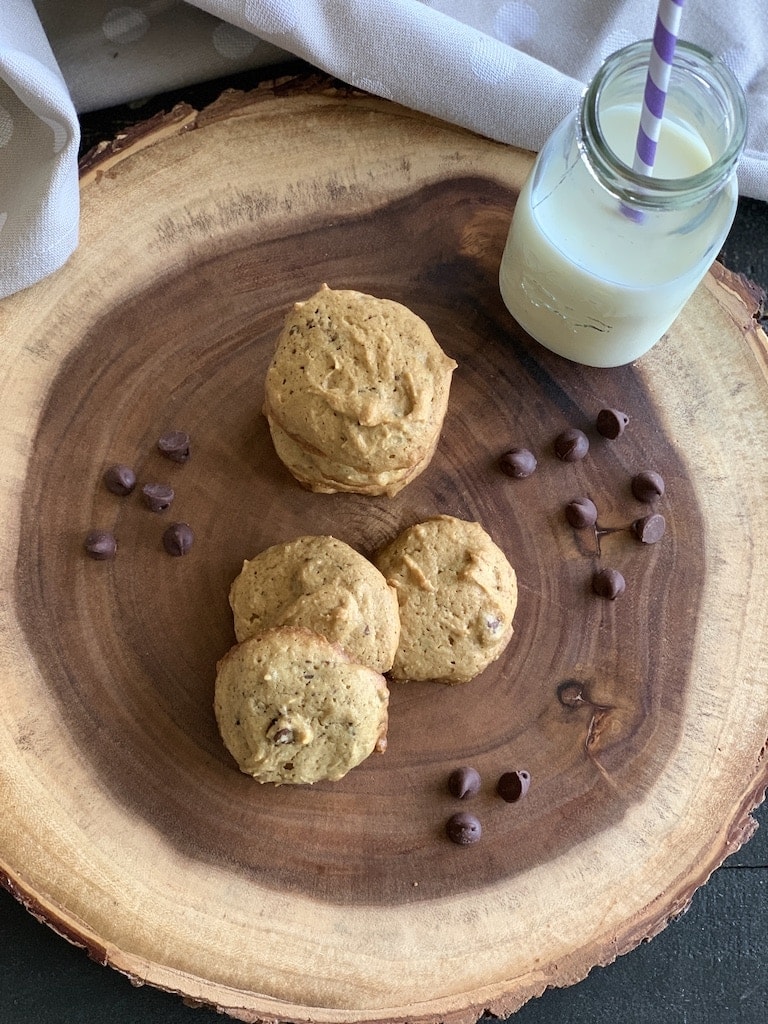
<point x="590" y="282"/>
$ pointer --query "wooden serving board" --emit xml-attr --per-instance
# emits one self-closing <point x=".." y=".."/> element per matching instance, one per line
<point x="126" y="826"/>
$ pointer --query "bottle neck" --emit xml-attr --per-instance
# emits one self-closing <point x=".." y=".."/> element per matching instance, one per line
<point x="704" y="102"/>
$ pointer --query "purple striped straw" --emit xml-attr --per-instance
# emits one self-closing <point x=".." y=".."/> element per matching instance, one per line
<point x="657" y="83"/>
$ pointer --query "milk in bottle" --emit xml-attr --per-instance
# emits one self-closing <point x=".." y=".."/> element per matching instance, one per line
<point x="599" y="259"/>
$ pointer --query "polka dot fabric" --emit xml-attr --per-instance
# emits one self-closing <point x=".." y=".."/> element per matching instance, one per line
<point x="125" y="25"/>
<point x="507" y="69"/>
<point x="116" y="53"/>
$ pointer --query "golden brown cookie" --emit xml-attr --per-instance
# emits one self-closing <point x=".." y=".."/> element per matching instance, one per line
<point x="323" y="476"/>
<point x="323" y="584"/>
<point x="293" y="708"/>
<point x="356" y="393"/>
<point x="457" y="594"/>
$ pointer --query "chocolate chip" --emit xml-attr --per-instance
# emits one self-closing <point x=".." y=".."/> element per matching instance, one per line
<point x="608" y="583"/>
<point x="650" y="529"/>
<point x="120" y="479"/>
<point x="174" y="444"/>
<point x="464" y="782"/>
<point x="611" y="423"/>
<point x="283" y="736"/>
<point x="518" y="463"/>
<point x="512" y="786"/>
<point x="581" y="513"/>
<point x="178" y="539"/>
<point x="571" y="445"/>
<point x="463" y="829"/>
<point x="157" y="497"/>
<point x="647" y="486"/>
<point x="100" y="544"/>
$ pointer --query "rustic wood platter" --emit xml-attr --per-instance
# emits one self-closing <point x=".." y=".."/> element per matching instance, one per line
<point x="126" y="825"/>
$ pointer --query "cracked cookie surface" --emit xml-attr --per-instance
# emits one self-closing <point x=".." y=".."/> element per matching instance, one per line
<point x="293" y="708"/>
<point x="356" y="393"/>
<point x="323" y="584"/>
<point x="457" y="594"/>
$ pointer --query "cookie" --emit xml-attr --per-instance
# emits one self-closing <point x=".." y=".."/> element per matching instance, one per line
<point x="457" y="594"/>
<point x="293" y="708"/>
<point x="356" y="393"/>
<point x="323" y="476"/>
<point x="326" y="586"/>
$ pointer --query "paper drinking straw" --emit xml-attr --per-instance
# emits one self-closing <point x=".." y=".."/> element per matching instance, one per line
<point x="657" y="83"/>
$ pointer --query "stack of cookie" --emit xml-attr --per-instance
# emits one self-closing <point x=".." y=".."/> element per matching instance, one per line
<point x="356" y="393"/>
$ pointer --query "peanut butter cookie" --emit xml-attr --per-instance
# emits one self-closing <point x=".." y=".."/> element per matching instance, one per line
<point x="323" y="584"/>
<point x="457" y="594"/>
<point x="293" y="708"/>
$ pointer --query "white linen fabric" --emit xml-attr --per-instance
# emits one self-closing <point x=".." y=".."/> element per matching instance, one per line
<point x="507" y="69"/>
<point x="39" y="138"/>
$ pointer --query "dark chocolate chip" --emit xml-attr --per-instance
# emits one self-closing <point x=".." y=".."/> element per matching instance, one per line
<point x="581" y="513"/>
<point x="174" y="444"/>
<point x="611" y="423"/>
<point x="463" y="829"/>
<point x="120" y="479"/>
<point x="283" y="736"/>
<point x="608" y="583"/>
<point x="647" y="486"/>
<point x="100" y="544"/>
<point x="571" y="445"/>
<point x="650" y="529"/>
<point x="157" y="497"/>
<point x="464" y="782"/>
<point x="178" y="539"/>
<point x="518" y="463"/>
<point x="512" y="786"/>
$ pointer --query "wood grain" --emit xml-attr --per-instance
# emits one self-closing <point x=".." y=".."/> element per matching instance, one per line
<point x="129" y="828"/>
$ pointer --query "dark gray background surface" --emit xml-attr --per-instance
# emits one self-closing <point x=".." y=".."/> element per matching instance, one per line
<point x="708" y="967"/>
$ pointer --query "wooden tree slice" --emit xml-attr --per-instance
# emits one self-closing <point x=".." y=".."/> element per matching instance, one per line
<point x="127" y="826"/>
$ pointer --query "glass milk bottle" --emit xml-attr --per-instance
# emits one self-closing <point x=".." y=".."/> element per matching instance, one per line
<point x="600" y="259"/>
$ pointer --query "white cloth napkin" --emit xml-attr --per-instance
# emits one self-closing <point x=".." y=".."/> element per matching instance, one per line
<point x="39" y="138"/>
<point x="508" y="70"/>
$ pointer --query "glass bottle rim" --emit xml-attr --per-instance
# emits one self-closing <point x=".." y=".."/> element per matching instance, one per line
<point x="647" y="190"/>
